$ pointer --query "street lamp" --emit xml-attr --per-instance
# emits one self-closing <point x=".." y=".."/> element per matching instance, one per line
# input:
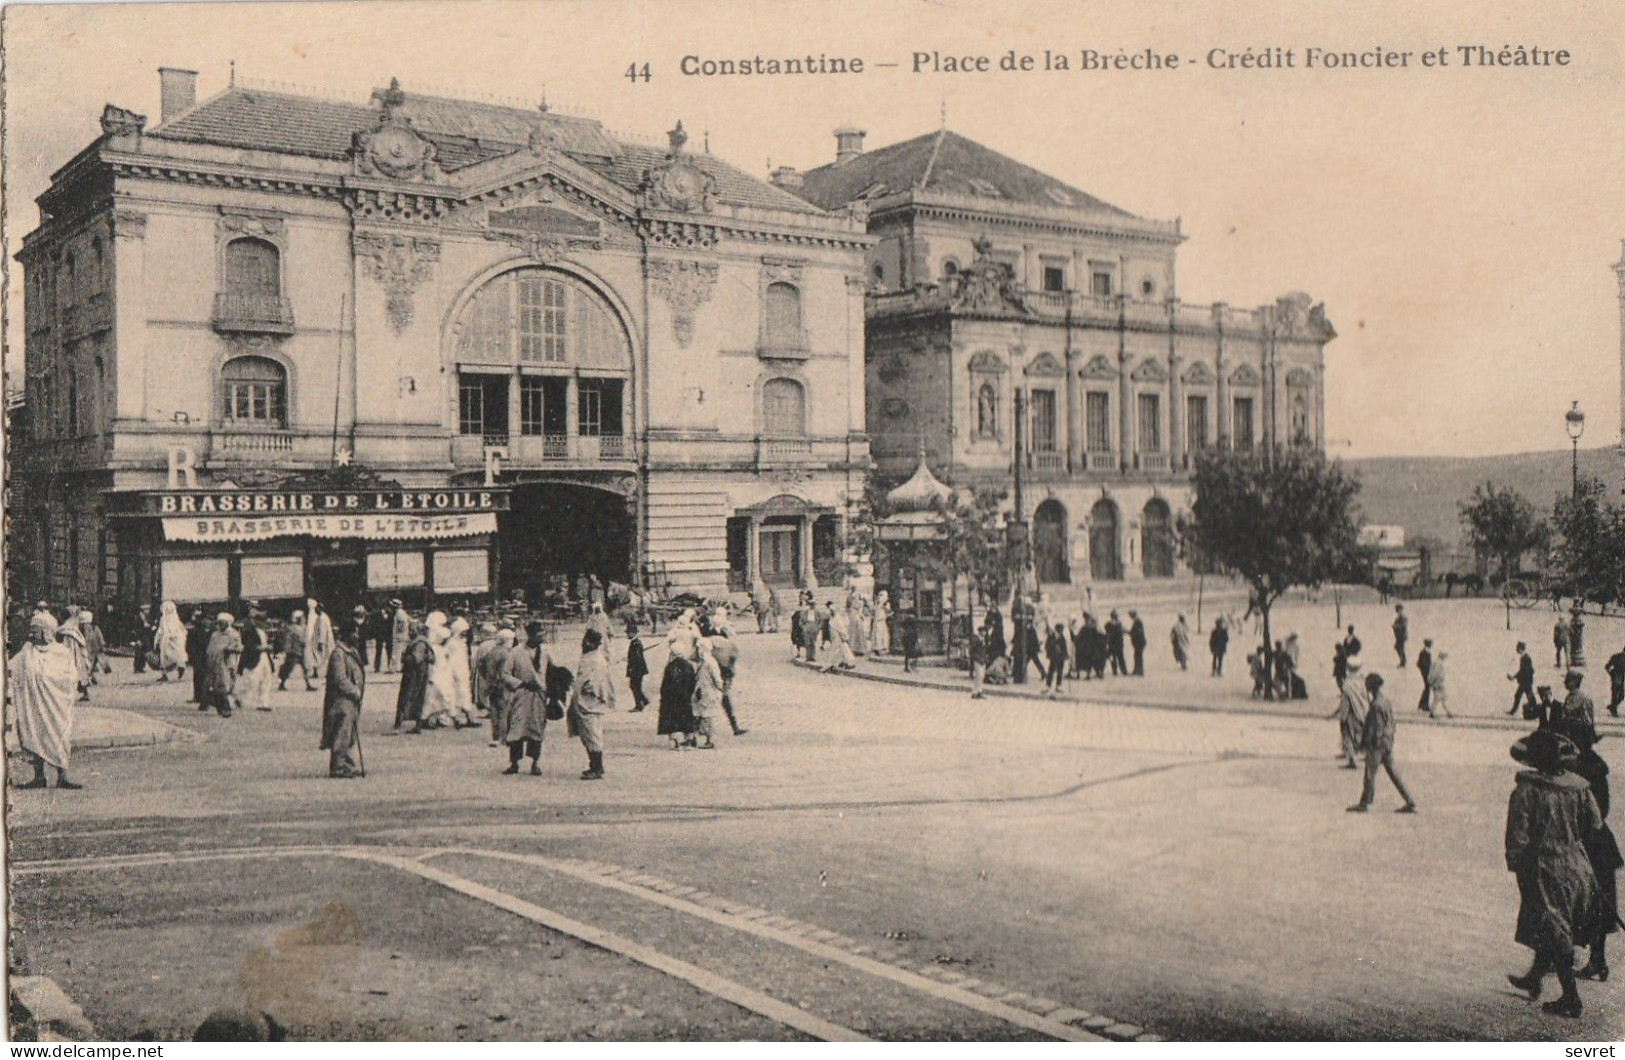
<point x="1575" y="422"/>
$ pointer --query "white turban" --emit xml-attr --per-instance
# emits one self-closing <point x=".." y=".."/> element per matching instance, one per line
<point x="226" y="618"/>
<point x="43" y="620"/>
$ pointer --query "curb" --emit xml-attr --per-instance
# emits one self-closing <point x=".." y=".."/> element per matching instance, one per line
<point x="159" y="732"/>
<point x="996" y="692"/>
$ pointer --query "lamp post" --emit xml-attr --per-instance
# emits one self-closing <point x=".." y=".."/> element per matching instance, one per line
<point x="1574" y="421"/>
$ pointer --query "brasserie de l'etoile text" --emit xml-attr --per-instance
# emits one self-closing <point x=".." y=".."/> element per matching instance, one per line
<point x="280" y="546"/>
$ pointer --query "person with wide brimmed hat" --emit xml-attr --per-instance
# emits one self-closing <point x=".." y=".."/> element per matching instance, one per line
<point x="1551" y="818"/>
<point x="1377" y="741"/>
<point x="1352" y="704"/>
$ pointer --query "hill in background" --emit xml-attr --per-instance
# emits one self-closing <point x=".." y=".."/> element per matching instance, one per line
<point x="1421" y="493"/>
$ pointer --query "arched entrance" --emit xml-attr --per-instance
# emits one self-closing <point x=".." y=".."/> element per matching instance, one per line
<point x="1104" y="565"/>
<point x="1157" y="539"/>
<point x="557" y="533"/>
<point x="1049" y="542"/>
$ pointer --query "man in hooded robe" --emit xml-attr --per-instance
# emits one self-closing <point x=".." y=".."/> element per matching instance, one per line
<point x="44" y="680"/>
<point x="1352" y="704"/>
<point x="293" y="652"/>
<point x="400" y="632"/>
<point x="416" y="659"/>
<point x="95" y="644"/>
<point x="461" y="677"/>
<point x="523" y="698"/>
<point x="70" y="634"/>
<point x="592" y="697"/>
<point x="442" y="692"/>
<point x="221" y="657"/>
<point x="170" y="642"/>
<point x="318" y="639"/>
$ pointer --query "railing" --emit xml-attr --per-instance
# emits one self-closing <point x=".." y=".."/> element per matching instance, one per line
<point x="253" y="311"/>
<point x="1152" y="461"/>
<point x="1102" y="460"/>
<point x="555" y="447"/>
<point x="1048" y="461"/>
<point x="253" y="441"/>
<point x="783" y="448"/>
<point x="610" y="446"/>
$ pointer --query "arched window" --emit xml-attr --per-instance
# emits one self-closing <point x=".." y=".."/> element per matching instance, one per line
<point x="784" y="408"/>
<point x="783" y="330"/>
<point x="535" y="316"/>
<point x="950" y="268"/>
<point x="987" y="411"/>
<point x="253" y="267"/>
<point x="255" y="391"/>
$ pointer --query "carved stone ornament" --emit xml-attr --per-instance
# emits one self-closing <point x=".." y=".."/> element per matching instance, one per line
<point x="1099" y="367"/>
<point x="1245" y="375"/>
<point x="545" y="233"/>
<point x="116" y="121"/>
<point x="1300" y="377"/>
<point x="1046" y="364"/>
<point x="394" y="148"/>
<point x="987" y="362"/>
<point x="1199" y="374"/>
<point x="685" y="285"/>
<point x="986" y="285"/>
<point x="234" y="223"/>
<point x="678" y="185"/>
<point x="1150" y="370"/>
<point x="399" y="264"/>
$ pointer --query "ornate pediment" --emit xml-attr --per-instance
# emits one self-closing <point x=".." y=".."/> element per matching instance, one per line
<point x="678" y="184"/>
<point x="546" y="233"/>
<point x="1099" y="367"/>
<point x="986" y="286"/>
<point x="393" y="148"/>
<point x="1200" y="373"/>
<point x="988" y="363"/>
<point x="1245" y="375"/>
<point x="1046" y="364"/>
<point x="685" y="285"/>
<point x="1150" y="370"/>
<point x="1300" y="377"/>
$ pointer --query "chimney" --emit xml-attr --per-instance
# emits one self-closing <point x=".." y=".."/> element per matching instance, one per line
<point x="178" y="89"/>
<point x="786" y="177"/>
<point x="848" y="144"/>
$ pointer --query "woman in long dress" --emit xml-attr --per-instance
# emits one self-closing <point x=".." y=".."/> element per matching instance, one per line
<point x="461" y="681"/>
<point x="676" y="718"/>
<point x="170" y="643"/>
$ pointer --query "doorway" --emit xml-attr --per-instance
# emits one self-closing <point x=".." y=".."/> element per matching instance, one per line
<point x="780" y="552"/>
<point x="1049" y="543"/>
<point x="1104" y="565"/>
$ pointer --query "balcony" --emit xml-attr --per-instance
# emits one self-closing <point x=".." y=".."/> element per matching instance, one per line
<point x="250" y="442"/>
<point x="773" y="449"/>
<point x="1102" y="460"/>
<point x="531" y="450"/>
<point x="1046" y="460"/>
<point x="254" y="312"/>
<point x="1151" y="461"/>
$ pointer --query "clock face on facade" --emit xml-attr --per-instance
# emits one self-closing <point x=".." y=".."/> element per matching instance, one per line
<point x="683" y="186"/>
<point x="396" y="150"/>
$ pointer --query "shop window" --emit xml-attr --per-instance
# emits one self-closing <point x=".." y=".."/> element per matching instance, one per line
<point x="254" y="267"/>
<point x="463" y="571"/>
<point x="395" y="570"/>
<point x="195" y="581"/>
<point x="273" y="577"/>
<point x="783" y="329"/>
<point x="255" y="390"/>
<point x="784" y="408"/>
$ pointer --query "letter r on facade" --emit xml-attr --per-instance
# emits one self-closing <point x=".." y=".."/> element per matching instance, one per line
<point x="182" y="467"/>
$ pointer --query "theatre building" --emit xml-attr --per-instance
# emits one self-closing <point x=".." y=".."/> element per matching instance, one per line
<point x="989" y="281"/>
<point x="280" y="345"/>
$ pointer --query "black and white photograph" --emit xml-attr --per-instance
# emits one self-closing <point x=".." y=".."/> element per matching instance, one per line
<point x="812" y="520"/>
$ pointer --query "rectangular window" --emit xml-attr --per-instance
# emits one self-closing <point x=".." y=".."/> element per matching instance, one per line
<point x="1044" y="425"/>
<point x="273" y="577"/>
<point x="542" y="313"/>
<point x="470" y="405"/>
<point x="1241" y="427"/>
<point x="1100" y="284"/>
<point x="195" y="581"/>
<point x="1150" y="423"/>
<point x="1098" y="411"/>
<point x="589" y="409"/>
<point x="1196" y="422"/>
<point x="465" y="571"/>
<point x="532" y="404"/>
<point x="1054" y="278"/>
<point x="395" y="570"/>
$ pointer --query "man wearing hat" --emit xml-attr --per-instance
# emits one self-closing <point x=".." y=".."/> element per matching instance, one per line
<point x="254" y="668"/>
<point x="220" y="664"/>
<point x="1424" y="664"/>
<point x="381" y="633"/>
<point x="1377" y="741"/>
<point x="1525" y="677"/>
<point x="1436" y="695"/>
<point x="1353" y="703"/>
<point x="44" y="683"/>
<point x="1551" y="817"/>
<point x="341" y="705"/>
<point x="1575" y="717"/>
<point x="1615" y="668"/>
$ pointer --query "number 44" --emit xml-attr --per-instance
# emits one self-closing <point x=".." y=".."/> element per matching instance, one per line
<point x="637" y="72"/>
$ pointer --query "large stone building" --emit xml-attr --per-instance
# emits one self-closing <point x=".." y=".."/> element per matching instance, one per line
<point x="987" y="278"/>
<point x="280" y="345"/>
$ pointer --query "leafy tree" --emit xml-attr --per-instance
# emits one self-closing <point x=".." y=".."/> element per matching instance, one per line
<point x="1589" y="553"/>
<point x="974" y="546"/>
<point x="1502" y="523"/>
<point x="1275" y="520"/>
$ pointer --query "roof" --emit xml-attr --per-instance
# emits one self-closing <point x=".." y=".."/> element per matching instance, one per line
<point x="920" y="492"/>
<point x="464" y="131"/>
<point x="943" y="161"/>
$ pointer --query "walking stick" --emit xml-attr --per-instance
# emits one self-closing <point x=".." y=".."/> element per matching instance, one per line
<point x="360" y="752"/>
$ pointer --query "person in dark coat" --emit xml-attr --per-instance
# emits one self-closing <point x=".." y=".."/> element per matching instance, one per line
<point x="1094" y="639"/>
<point x="1424" y="666"/>
<point x="143" y="628"/>
<point x="341" y="705"/>
<point x="1552" y="817"/>
<point x="993" y="633"/>
<point x="415" y="662"/>
<point x="676" y="718"/>
<point x="1114" y="645"/>
<point x="1136" y="640"/>
<point x="637" y="666"/>
<point x="379" y="630"/>
<point x="911" y="641"/>
<point x="1056" y="652"/>
<point x="197" y="651"/>
<point x="1218" y="642"/>
<point x="524" y="700"/>
<point x="1377" y="741"/>
<point x="1402" y="632"/>
<point x="1615" y="667"/>
<point x="1606" y="861"/>
<point x="1524" y="695"/>
<point x="1351" y="644"/>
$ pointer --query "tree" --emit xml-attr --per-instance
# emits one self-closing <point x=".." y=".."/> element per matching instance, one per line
<point x="974" y="545"/>
<point x="1589" y="553"/>
<point x="1502" y="523"/>
<point x="1275" y="520"/>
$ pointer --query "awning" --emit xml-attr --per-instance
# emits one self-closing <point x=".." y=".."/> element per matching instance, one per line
<point x="366" y="527"/>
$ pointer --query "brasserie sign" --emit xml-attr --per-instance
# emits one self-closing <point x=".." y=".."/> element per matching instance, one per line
<point x="323" y="502"/>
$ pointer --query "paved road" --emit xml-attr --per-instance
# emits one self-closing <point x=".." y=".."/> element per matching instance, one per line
<point x="1191" y="874"/>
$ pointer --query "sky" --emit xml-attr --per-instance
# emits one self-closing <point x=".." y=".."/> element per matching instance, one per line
<point x="1460" y="223"/>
